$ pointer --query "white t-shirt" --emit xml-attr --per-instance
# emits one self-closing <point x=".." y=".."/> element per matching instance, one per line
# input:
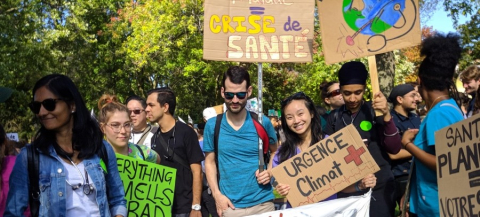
<point x="135" y="137"/>
<point x="79" y="204"/>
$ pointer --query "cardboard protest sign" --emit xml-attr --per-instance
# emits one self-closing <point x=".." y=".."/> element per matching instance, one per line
<point x="349" y="206"/>
<point x="13" y="136"/>
<point x="457" y="150"/>
<point x="326" y="167"/>
<point x="149" y="187"/>
<point x="353" y="29"/>
<point x="258" y="30"/>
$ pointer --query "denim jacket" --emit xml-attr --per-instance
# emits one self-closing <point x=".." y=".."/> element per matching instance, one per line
<point x="108" y="186"/>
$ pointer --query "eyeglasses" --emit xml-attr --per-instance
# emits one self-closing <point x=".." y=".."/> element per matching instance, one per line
<point x="48" y="104"/>
<point x="333" y="93"/>
<point x="240" y="95"/>
<point x="135" y="111"/>
<point x="298" y="95"/>
<point x="116" y="127"/>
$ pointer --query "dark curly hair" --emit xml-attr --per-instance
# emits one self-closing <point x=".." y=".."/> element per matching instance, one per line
<point x="436" y="71"/>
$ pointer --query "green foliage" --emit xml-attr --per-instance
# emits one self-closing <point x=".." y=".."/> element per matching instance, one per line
<point x="129" y="47"/>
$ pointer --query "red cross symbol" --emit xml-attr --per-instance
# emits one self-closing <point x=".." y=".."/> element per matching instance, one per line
<point x="354" y="155"/>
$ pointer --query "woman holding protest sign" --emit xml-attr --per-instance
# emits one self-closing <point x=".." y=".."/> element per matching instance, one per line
<point x="116" y="124"/>
<point x="437" y="88"/>
<point x="302" y="130"/>
<point x="68" y="170"/>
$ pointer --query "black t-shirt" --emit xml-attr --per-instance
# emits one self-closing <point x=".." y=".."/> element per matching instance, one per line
<point x="185" y="145"/>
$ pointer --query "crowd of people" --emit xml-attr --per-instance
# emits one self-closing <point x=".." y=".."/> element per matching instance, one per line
<point x="70" y="168"/>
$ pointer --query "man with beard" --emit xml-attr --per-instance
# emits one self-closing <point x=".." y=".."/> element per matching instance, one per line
<point x="241" y="188"/>
<point x="178" y="147"/>
<point x="378" y="132"/>
<point x="404" y="98"/>
<point x="471" y="80"/>
<point x="142" y="131"/>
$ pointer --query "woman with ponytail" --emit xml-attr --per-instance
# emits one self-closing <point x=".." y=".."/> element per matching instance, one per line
<point x="116" y="125"/>
<point x="442" y="100"/>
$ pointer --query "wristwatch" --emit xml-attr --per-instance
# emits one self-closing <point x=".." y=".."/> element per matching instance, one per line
<point x="196" y="207"/>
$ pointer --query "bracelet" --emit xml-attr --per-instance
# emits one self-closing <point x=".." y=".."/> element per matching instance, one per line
<point x="405" y="147"/>
<point x="357" y="188"/>
<point x="390" y="134"/>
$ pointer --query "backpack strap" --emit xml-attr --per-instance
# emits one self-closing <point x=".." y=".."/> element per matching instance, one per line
<point x="33" y="158"/>
<point x="335" y="116"/>
<point x="262" y="133"/>
<point x="176" y="158"/>
<point x="141" y="152"/>
<point x="215" y="142"/>
<point x="144" y="135"/>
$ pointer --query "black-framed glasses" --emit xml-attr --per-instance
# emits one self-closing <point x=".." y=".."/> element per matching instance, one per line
<point x="117" y="127"/>
<point x="333" y="93"/>
<point x="48" y="104"/>
<point x="136" y="111"/>
<point x="240" y="95"/>
<point x="298" y="95"/>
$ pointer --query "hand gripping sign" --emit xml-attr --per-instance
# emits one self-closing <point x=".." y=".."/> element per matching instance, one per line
<point x="326" y="168"/>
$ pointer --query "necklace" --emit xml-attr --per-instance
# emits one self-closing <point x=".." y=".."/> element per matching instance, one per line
<point x="87" y="187"/>
<point x="433" y="103"/>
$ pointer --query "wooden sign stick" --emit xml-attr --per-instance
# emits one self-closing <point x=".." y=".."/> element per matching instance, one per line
<point x="372" y="65"/>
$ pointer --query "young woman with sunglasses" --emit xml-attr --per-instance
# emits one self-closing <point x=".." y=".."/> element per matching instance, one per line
<point x="116" y="124"/>
<point x="303" y="129"/>
<point x="72" y="181"/>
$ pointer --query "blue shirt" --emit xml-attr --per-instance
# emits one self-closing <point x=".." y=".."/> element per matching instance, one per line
<point x="424" y="188"/>
<point x="53" y="186"/>
<point x="402" y="167"/>
<point x="238" y="160"/>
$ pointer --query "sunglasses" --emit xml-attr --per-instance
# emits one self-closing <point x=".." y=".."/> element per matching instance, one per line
<point x="48" y="104"/>
<point x="240" y="95"/>
<point x="333" y="93"/>
<point x="135" y="111"/>
<point x="299" y="95"/>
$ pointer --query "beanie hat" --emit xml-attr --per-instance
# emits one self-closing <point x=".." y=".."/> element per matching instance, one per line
<point x="353" y="73"/>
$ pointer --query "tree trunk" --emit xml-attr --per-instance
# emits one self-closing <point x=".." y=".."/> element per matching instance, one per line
<point x="386" y="71"/>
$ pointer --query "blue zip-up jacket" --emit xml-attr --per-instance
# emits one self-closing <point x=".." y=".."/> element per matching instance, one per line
<point x="53" y="186"/>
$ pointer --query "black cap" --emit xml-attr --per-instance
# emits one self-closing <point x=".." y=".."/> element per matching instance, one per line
<point x="399" y="90"/>
<point x="353" y="73"/>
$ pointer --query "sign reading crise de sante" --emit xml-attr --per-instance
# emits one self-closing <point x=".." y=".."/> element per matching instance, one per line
<point x="258" y="30"/>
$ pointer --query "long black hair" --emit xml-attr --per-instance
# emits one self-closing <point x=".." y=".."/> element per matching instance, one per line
<point x="87" y="137"/>
<point x="289" y="147"/>
<point x="436" y="71"/>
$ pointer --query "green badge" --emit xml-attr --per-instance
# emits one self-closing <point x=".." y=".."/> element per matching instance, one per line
<point x="366" y="125"/>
